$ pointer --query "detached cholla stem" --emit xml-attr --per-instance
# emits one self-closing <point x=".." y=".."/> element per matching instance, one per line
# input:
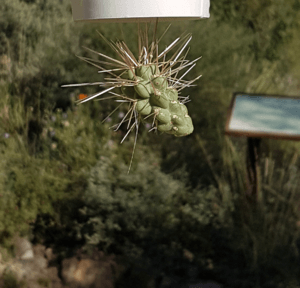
<point x="147" y="84"/>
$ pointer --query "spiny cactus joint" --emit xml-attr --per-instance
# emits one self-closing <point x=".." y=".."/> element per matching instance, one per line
<point x="148" y="84"/>
<point x="155" y="96"/>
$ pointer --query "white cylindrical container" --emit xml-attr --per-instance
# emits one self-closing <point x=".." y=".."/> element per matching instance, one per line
<point x="139" y="10"/>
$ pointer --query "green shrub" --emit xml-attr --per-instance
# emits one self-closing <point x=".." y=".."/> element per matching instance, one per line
<point x="121" y="212"/>
<point x="33" y="184"/>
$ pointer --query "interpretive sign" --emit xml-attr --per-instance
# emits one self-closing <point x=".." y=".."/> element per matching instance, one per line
<point x="258" y="115"/>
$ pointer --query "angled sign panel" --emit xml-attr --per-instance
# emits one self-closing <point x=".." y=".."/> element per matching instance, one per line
<point x="259" y="115"/>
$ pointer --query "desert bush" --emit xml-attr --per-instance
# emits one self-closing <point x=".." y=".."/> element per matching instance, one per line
<point x="122" y="212"/>
<point x="41" y="183"/>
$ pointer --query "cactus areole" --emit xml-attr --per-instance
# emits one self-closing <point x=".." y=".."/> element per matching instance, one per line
<point x="139" y="10"/>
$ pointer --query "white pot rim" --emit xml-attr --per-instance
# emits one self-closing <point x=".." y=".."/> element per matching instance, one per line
<point x="139" y="10"/>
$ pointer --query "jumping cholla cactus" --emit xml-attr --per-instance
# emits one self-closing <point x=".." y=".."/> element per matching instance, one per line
<point x="149" y="85"/>
<point x="153" y="95"/>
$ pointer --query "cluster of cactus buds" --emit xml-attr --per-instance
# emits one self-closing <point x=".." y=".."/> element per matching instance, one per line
<point x="153" y="96"/>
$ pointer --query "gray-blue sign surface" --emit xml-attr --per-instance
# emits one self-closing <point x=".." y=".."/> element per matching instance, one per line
<point x="265" y="114"/>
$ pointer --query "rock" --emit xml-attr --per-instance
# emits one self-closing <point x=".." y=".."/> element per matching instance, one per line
<point x="2" y="268"/>
<point x="52" y="273"/>
<point x="32" y="266"/>
<point x="27" y="255"/>
<point x="49" y="254"/>
<point x="80" y="274"/>
<point x="4" y="255"/>
<point x="32" y="272"/>
<point x="38" y="277"/>
<point x="69" y="267"/>
<point x="23" y="248"/>
<point x="46" y="277"/>
<point x="16" y="268"/>
<point x="102" y="273"/>
<point x="40" y="262"/>
<point x="39" y="250"/>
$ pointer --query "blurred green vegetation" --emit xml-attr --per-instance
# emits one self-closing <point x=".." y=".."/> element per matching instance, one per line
<point x="63" y="172"/>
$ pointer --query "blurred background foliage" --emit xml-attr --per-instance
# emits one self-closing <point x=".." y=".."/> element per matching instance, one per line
<point x="63" y="172"/>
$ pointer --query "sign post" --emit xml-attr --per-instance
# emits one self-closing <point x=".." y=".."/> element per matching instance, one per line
<point x="252" y="159"/>
<point x="258" y="116"/>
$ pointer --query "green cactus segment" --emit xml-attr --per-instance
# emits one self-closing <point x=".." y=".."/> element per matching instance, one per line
<point x="172" y="94"/>
<point x="154" y="69"/>
<point x="160" y="100"/>
<point x="183" y="130"/>
<point x="143" y="88"/>
<point x="144" y="72"/>
<point x="177" y="120"/>
<point x="162" y="115"/>
<point x="165" y="128"/>
<point x="160" y="83"/>
<point x="178" y="108"/>
<point x="153" y="95"/>
<point x="143" y="107"/>
<point x="128" y="74"/>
